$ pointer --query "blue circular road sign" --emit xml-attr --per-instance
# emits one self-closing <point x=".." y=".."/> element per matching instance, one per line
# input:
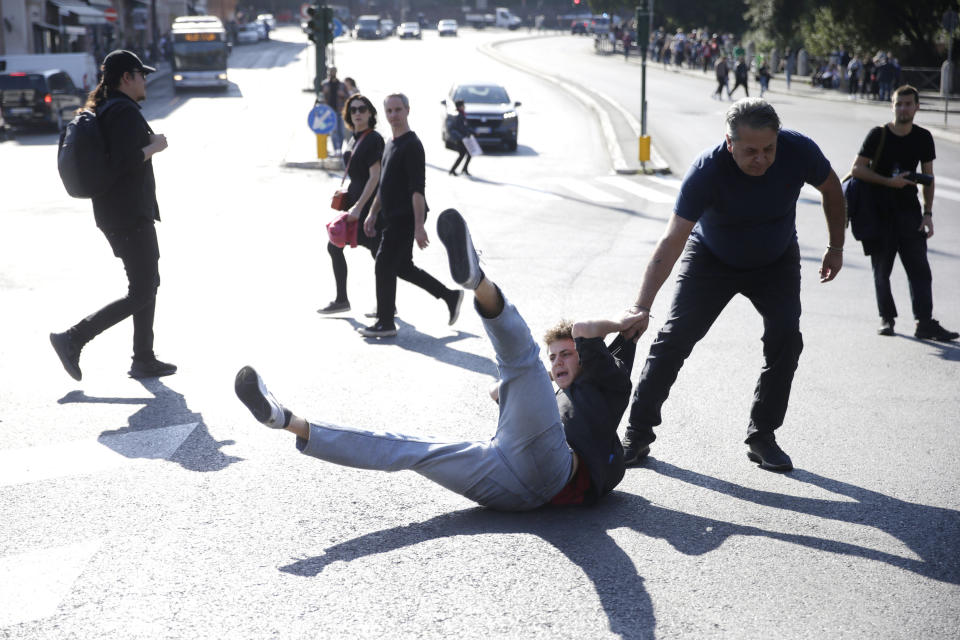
<point x="321" y="119"/>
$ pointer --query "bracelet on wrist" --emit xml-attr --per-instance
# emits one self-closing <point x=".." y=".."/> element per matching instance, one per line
<point x="928" y="213"/>
<point x="640" y="307"/>
<point x="832" y="248"/>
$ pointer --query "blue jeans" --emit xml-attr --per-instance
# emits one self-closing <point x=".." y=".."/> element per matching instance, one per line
<point x="524" y="465"/>
<point x="337" y="135"/>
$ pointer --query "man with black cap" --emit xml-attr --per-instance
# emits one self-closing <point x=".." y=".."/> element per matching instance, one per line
<point x="125" y="213"/>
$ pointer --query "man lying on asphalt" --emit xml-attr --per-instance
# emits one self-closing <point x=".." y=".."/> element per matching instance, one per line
<point x="550" y="447"/>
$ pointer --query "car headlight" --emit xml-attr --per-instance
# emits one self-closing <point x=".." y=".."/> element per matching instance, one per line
<point x="510" y="114"/>
<point x="178" y="77"/>
<point x="222" y="76"/>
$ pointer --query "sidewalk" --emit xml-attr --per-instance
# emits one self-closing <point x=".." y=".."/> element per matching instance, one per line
<point x="800" y="87"/>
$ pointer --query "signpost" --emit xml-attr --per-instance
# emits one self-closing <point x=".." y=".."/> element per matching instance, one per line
<point x="110" y="14"/>
<point x="644" y="16"/>
<point x="321" y="121"/>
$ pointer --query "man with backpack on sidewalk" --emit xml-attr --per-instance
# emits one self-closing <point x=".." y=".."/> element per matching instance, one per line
<point x="125" y="208"/>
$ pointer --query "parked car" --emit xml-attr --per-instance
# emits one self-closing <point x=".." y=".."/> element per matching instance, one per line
<point x="251" y="32"/>
<point x="367" y="28"/>
<point x="490" y="114"/>
<point x="409" y="30"/>
<point x="42" y="98"/>
<point x="447" y="28"/>
<point x="387" y="28"/>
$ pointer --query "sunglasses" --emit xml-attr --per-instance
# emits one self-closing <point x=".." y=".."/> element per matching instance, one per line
<point x="360" y="108"/>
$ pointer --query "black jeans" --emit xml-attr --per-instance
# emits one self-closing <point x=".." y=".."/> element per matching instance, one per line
<point x="340" y="262"/>
<point x="140" y="253"/>
<point x="900" y="234"/>
<point x="395" y="259"/>
<point x="704" y="287"/>
<point x="462" y="149"/>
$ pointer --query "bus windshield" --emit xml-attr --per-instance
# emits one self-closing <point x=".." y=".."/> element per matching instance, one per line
<point x="200" y="55"/>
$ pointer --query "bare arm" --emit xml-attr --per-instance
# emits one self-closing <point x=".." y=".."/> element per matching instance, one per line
<point x="927" y="225"/>
<point x="419" y="217"/>
<point x="367" y="192"/>
<point x="158" y="142"/>
<point x="665" y="255"/>
<point x="835" y="212"/>
<point x="861" y="171"/>
<point x="601" y="328"/>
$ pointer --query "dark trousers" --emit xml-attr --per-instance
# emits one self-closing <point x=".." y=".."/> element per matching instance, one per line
<point x="138" y="250"/>
<point x="900" y="234"/>
<point x="339" y="261"/>
<point x="743" y="84"/>
<point x="395" y="260"/>
<point x="462" y="148"/>
<point x="704" y="287"/>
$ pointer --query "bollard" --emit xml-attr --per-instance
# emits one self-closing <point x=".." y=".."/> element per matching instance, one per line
<point x="321" y="146"/>
<point x="644" y="149"/>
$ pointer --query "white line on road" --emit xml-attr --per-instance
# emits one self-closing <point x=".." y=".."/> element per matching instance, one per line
<point x="950" y="182"/>
<point x="22" y="466"/>
<point x="637" y="189"/>
<point x="587" y="191"/>
<point x="671" y="183"/>
<point x="946" y="193"/>
<point x="33" y="584"/>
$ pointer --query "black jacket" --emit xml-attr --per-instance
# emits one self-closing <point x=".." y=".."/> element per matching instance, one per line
<point x="591" y="409"/>
<point x="132" y="198"/>
<point x="459" y="129"/>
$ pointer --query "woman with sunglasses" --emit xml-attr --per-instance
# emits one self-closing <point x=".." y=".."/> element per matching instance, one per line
<point x="363" y="170"/>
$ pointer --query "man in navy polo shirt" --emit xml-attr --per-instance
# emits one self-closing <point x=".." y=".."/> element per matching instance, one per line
<point x="735" y="224"/>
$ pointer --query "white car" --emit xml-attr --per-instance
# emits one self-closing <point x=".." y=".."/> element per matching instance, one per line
<point x="447" y="28"/>
<point x="250" y="32"/>
<point x="409" y="30"/>
<point x="386" y="28"/>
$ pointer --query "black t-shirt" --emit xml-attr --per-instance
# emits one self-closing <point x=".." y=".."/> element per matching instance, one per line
<point x="899" y="154"/>
<point x="591" y="409"/>
<point x="368" y="148"/>
<point x="403" y="174"/>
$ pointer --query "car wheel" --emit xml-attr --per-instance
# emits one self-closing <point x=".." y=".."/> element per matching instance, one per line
<point x="512" y="145"/>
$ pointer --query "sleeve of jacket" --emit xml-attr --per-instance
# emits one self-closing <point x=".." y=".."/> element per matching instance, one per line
<point x="125" y="132"/>
<point x="602" y="369"/>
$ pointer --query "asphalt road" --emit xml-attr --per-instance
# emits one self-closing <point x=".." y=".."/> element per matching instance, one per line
<point x="160" y="509"/>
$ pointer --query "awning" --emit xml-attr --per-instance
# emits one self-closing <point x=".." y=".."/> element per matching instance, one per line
<point x="103" y="4"/>
<point x="85" y="13"/>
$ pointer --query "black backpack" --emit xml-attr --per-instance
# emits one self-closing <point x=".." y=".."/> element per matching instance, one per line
<point x="83" y="159"/>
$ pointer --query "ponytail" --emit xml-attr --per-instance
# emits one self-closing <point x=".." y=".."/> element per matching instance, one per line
<point x="99" y="94"/>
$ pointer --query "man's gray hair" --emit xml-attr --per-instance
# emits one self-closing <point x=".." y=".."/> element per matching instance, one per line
<point x="756" y="113"/>
<point x="403" y="99"/>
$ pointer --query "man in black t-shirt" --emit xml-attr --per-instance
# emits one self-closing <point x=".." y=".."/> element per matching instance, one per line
<point x="400" y="198"/>
<point x="902" y="229"/>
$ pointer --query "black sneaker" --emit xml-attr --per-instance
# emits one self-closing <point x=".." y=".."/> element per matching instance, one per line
<point x="374" y="314"/>
<point x="378" y="330"/>
<point x="254" y="395"/>
<point x="68" y="352"/>
<point x="635" y="450"/>
<point x="151" y="369"/>
<point x="931" y="330"/>
<point x="335" y="307"/>
<point x="453" y="304"/>
<point x="765" y="451"/>
<point x="464" y="264"/>
<point x="886" y="327"/>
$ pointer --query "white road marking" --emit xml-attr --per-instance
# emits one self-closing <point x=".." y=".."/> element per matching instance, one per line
<point x="950" y="182"/>
<point x="670" y="183"/>
<point x="33" y="584"/>
<point x="811" y="192"/>
<point x="22" y="466"/>
<point x="946" y="193"/>
<point x="587" y="191"/>
<point x="639" y="190"/>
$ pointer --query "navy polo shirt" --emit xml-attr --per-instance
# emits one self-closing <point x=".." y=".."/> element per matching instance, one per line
<point x="750" y="221"/>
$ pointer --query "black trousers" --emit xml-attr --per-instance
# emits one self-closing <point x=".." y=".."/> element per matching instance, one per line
<point x="140" y="253"/>
<point x="704" y="287"/>
<point x="900" y="234"/>
<point x="743" y="84"/>
<point x="462" y="149"/>
<point x="339" y="261"/>
<point x="395" y="260"/>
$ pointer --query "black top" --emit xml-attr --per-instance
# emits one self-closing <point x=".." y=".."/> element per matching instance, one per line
<point x="403" y="173"/>
<point x="591" y="409"/>
<point x="459" y="128"/>
<point x="368" y="148"/>
<point x="132" y="198"/>
<point x="899" y="154"/>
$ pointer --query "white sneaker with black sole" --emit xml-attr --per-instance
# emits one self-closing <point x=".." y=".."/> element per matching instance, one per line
<point x="253" y="393"/>
<point x="455" y="236"/>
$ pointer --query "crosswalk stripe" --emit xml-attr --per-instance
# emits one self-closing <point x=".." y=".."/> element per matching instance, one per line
<point x="946" y="193"/>
<point x="637" y="189"/>
<point x="670" y="183"/>
<point x="950" y="182"/>
<point x="22" y="466"/>
<point x="33" y="584"/>
<point x="587" y="191"/>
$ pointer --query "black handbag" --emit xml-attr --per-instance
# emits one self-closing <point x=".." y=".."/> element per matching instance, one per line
<point x="861" y="200"/>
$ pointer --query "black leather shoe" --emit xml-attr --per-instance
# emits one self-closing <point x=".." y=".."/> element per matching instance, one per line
<point x="68" y="352"/>
<point x="635" y="448"/>
<point x="931" y="330"/>
<point x="886" y="327"/>
<point x="151" y="369"/>
<point x="378" y="330"/>
<point x="765" y="451"/>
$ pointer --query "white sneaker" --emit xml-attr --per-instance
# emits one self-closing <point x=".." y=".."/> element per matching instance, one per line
<point x="261" y="403"/>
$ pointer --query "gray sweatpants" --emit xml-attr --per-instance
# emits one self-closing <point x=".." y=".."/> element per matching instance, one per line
<point x="525" y="464"/>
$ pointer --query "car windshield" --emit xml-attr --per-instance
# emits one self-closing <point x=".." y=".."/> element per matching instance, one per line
<point x="369" y="23"/>
<point x="487" y="94"/>
<point x="22" y="81"/>
<point x="447" y="23"/>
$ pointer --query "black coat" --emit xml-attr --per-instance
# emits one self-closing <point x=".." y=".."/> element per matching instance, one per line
<point x="132" y="198"/>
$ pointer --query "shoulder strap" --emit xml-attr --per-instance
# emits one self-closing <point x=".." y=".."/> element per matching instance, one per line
<point x="353" y="155"/>
<point x="876" y="156"/>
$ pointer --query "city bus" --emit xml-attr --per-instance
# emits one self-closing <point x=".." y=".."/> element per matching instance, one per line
<point x="200" y="50"/>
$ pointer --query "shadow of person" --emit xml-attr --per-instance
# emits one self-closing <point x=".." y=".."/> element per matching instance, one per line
<point x="932" y="533"/>
<point x="163" y="408"/>
<point x="944" y="350"/>
<point x="415" y="341"/>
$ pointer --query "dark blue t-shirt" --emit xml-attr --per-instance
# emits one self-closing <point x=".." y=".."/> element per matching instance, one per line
<point x="750" y="221"/>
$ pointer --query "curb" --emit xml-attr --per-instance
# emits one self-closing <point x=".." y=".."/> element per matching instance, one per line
<point x="620" y="165"/>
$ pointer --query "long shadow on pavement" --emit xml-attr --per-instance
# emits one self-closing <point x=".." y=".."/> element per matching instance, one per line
<point x="932" y="533"/>
<point x="164" y="408"/>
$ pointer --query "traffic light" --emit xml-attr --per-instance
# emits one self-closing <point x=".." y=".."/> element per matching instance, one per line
<point x="327" y="24"/>
<point x="315" y="24"/>
<point x="576" y="2"/>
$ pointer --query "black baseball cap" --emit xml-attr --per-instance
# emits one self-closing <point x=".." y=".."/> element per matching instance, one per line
<point x="121" y="61"/>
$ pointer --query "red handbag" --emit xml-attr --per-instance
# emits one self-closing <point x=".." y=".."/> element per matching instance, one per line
<point x="341" y="231"/>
